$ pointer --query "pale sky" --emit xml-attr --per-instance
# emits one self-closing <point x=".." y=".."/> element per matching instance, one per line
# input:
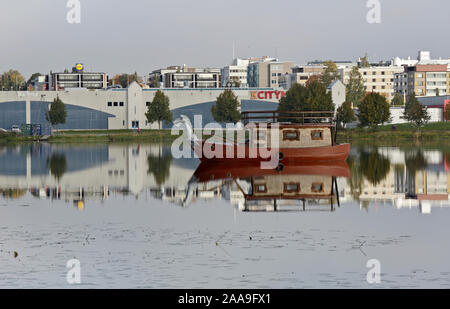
<point x="118" y="36"/>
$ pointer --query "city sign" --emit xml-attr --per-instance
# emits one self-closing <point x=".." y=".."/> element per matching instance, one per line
<point x="267" y="95"/>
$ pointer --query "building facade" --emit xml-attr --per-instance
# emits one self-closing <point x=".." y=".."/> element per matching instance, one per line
<point x="268" y="72"/>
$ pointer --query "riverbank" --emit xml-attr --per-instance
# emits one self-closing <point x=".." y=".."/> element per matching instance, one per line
<point x="398" y="135"/>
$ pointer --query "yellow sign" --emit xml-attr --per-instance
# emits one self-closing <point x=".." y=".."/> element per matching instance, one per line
<point x="79" y="67"/>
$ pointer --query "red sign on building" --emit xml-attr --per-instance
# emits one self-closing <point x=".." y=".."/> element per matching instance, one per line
<point x="267" y="95"/>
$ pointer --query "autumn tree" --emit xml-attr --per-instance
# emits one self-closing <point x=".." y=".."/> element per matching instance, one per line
<point x="12" y="80"/>
<point x="331" y="73"/>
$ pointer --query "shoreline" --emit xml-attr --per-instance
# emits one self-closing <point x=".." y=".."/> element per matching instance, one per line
<point x="398" y="135"/>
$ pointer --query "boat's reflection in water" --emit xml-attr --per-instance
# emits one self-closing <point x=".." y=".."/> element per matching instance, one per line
<point x="297" y="187"/>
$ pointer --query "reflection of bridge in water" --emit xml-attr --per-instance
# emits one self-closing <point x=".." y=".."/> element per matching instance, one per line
<point x="81" y="172"/>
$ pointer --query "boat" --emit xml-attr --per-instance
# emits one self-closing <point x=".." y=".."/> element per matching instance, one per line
<point x="269" y="189"/>
<point x="288" y="135"/>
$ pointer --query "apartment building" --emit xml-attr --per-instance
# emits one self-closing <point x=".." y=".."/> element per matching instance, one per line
<point x="300" y="75"/>
<point x="235" y="74"/>
<point x="267" y="73"/>
<point x="378" y="79"/>
<point x="429" y="80"/>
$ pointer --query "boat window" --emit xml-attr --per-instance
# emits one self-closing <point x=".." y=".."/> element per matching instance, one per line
<point x="291" y="187"/>
<point x="291" y="135"/>
<point x="260" y="188"/>
<point x="317" y="187"/>
<point x="317" y="135"/>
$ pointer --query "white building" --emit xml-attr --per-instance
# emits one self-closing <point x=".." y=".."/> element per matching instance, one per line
<point x="236" y="73"/>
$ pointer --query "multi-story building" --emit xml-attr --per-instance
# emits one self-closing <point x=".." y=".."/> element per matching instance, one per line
<point x="429" y="80"/>
<point x="186" y="77"/>
<point x="300" y="75"/>
<point x="235" y="74"/>
<point x="378" y="79"/>
<point x="424" y="76"/>
<point x="267" y="73"/>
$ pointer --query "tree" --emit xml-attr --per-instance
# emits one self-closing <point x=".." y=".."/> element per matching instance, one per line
<point x="57" y="164"/>
<point x="154" y="83"/>
<point x="415" y="112"/>
<point x="355" y="87"/>
<point x="159" y="109"/>
<point x="124" y="80"/>
<point x="331" y="73"/>
<point x="437" y="92"/>
<point x="57" y="113"/>
<point x="12" y="80"/>
<point x="374" y="166"/>
<point x="33" y="77"/>
<point x="314" y="97"/>
<point x="226" y="109"/>
<point x="159" y="166"/>
<point x="397" y="100"/>
<point x="374" y="110"/>
<point x="364" y="62"/>
<point x="345" y="114"/>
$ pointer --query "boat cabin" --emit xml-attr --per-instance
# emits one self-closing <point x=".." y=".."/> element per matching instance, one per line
<point x="296" y="129"/>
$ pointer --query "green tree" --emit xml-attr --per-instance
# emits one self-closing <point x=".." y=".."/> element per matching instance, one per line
<point x="159" y="109"/>
<point x="159" y="166"/>
<point x="314" y="97"/>
<point x="226" y="109"/>
<point x="397" y="100"/>
<point x="57" y="164"/>
<point x="12" y="80"/>
<point x="355" y="87"/>
<point x="345" y="114"/>
<point x="415" y="161"/>
<point x="374" y="166"/>
<point x="57" y="113"/>
<point x="331" y="73"/>
<point x="124" y="80"/>
<point x="415" y="112"/>
<point x="154" y="83"/>
<point x="374" y="110"/>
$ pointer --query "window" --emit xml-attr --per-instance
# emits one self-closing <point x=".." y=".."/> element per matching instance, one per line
<point x="116" y="104"/>
<point x="317" y="187"/>
<point x="147" y="104"/>
<point x="291" y="135"/>
<point x="110" y="104"/>
<point x="120" y="103"/>
<point x="260" y="188"/>
<point x="291" y="187"/>
<point x="317" y="135"/>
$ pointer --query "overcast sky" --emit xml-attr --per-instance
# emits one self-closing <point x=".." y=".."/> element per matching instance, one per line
<point x="118" y="36"/>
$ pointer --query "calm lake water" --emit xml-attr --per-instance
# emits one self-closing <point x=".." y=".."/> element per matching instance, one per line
<point x="137" y="218"/>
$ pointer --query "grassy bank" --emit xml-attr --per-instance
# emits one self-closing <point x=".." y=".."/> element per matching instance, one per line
<point x="397" y="135"/>
<point x="113" y="136"/>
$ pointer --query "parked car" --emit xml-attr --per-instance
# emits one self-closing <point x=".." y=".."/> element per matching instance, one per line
<point x="15" y="129"/>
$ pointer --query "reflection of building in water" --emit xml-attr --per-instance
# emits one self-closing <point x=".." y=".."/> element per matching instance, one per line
<point x="415" y="179"/>
<point x="88" y="172"/>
